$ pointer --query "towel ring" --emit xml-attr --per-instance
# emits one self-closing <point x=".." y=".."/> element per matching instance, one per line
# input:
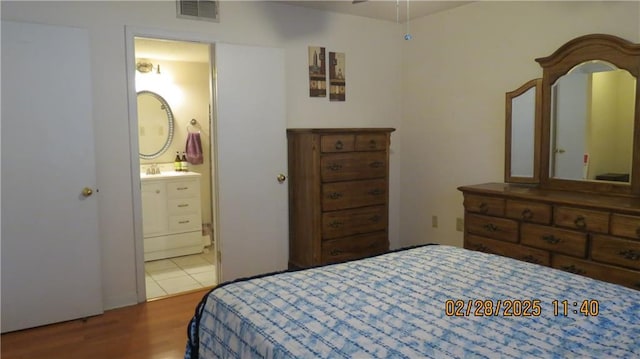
<point x="193" y="125"/>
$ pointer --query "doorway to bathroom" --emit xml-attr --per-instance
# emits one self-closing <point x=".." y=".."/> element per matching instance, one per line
<point x="174" y="133"/>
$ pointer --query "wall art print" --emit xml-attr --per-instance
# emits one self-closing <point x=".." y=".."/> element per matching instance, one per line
<point x="337" y="76"/>
<point x="317" y="72"/>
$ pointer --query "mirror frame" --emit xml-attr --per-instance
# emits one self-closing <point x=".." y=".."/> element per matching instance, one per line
<point x="509" y="97"/>
<point x="170" y="120"/>
<point x="617" y="51"/>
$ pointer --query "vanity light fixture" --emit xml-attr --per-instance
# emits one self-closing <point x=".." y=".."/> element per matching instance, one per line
<point x="146" y="67"/>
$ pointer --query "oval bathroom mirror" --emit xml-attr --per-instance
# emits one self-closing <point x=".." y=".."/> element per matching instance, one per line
<point x="155" y="125"/>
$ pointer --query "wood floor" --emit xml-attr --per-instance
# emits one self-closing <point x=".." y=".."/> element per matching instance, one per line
<point x="156" y="329"/>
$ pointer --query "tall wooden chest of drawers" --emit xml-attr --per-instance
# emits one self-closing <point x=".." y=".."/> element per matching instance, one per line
<point x="589" y="234"/>
<point x="338" y="194"/>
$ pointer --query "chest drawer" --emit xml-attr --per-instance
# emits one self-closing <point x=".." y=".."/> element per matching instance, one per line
<point x="336" y="143"/>
<point x="353" y="221"/>
<point x="626" y="277"/>
<point x="371" y="142"/>
<point x="625" y="226"/>
<point x="342" y="195"/>
<point x="583" y="219"/>
<point x="492" y="227"/>
<point x="184" y="222"/>
<point x="505" y="249"/>
<point x="355" y="165"/>
<point x="554" y="239"/>
<point x="612" y="250"/>
<point x="484" y="205"/>
<point x="525" y="211"/>
<point x="354" y="247"/>
<point x="182" y="189"/>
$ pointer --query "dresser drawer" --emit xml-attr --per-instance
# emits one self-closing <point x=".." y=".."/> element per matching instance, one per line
<point x="625" y="226"/>
<point x="350" y="166"/>
<point x="181" y="189"/>
<point x="342" y="195"/>
<point x="371" y="142"/>
<point x="525" y="211"/>
<point x="506" y="249"/>
<point x="492" y="227"/>
<point x="626" y="277"/>
<point x="592" y="221"/>
<point x="612" y="250"/>
<point x="554" y="239"/>
<point x="485" y="205"/>
<point x="353" y="221"/>
<point x="183" y="205"/>
<point x="185" y="222"/>
<point x="337" y="143"/>
<point x="354" y="247"/>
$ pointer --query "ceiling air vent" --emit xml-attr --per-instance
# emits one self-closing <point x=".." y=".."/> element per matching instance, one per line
<point x="198" y="9"/>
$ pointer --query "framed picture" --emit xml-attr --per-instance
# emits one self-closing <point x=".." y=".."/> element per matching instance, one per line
<point x="337" y="76"/>
<point x="317" y="72"/>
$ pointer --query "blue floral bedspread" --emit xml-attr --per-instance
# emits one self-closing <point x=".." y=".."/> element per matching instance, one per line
<point x="433" y="301"/>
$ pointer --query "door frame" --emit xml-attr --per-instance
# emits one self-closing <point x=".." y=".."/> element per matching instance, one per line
<point x="131" y="33"/>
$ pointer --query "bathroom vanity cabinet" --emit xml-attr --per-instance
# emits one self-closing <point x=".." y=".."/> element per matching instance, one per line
<point x="171" y="215"/>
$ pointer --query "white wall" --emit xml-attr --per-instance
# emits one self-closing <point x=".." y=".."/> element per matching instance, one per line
<point x="373" y="91"/>
<point x="457" y="70"/>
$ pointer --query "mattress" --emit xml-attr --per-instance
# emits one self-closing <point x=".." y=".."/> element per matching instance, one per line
<point x="433" y="301"/>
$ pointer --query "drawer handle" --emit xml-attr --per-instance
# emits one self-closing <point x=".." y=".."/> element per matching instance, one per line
<point x="373" y="144"/>
<point x="551" y="239"/>
<point x="376" y="164"/>
<point x="375" y="218"/>
<point x="335" y="195"/>
<point x="483" y="207"/>
<point x="183" y="205"/>
<point x="184" y="222"/>
<point x="580" y="222"/>
<point x="339" y="145"/>
<point x="531" y="259"/>
<point x="630" y="254"/>
<point x="336" y="224"/>
<point x="335" y="252"/>
<point x="181" y="188"/>
<point x="491" y="227"/>
<point x="573" y="269"/>
<point x="527" y="214"/>
<point x="376" y="192"/>
<point x="335" y="167"/>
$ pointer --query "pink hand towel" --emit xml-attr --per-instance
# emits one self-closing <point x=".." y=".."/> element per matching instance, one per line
<point x="194" y="148"/>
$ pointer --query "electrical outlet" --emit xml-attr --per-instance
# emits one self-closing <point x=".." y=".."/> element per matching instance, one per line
<point x="459" y="224"/>
<point x="434" y="221"/>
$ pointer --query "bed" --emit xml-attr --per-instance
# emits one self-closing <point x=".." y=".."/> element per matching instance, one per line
<point x="432" y="301"/>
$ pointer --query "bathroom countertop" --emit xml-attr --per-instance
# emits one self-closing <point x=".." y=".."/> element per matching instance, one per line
<point x="168" y="174"/>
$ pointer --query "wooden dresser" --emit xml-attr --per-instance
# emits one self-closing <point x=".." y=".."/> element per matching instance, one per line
<point x="338" y="194"/>
<point x="593" y="235"/>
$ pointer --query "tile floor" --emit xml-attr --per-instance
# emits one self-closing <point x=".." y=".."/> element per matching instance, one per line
<point x="179" y="274"/>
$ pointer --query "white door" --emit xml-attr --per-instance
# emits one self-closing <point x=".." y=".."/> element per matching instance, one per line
<point x="251" y="152"/>
<point x="50" y="249"/>
<point x="570" y="126"/>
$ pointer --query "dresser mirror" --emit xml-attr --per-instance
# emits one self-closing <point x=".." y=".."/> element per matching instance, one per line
<point x="591" y="117"/>
<point x="592" y="109"/>
<point x="523" y="133"/>
<point x="155" y="125"/>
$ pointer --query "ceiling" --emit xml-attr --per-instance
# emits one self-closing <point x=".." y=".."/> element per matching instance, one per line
<point x="377" y="9"/>
<point x="382" y="9"/>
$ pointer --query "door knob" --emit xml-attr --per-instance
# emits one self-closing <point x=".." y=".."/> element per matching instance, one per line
<point x="87" y="191"/>
<point x="281" y="178"/>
